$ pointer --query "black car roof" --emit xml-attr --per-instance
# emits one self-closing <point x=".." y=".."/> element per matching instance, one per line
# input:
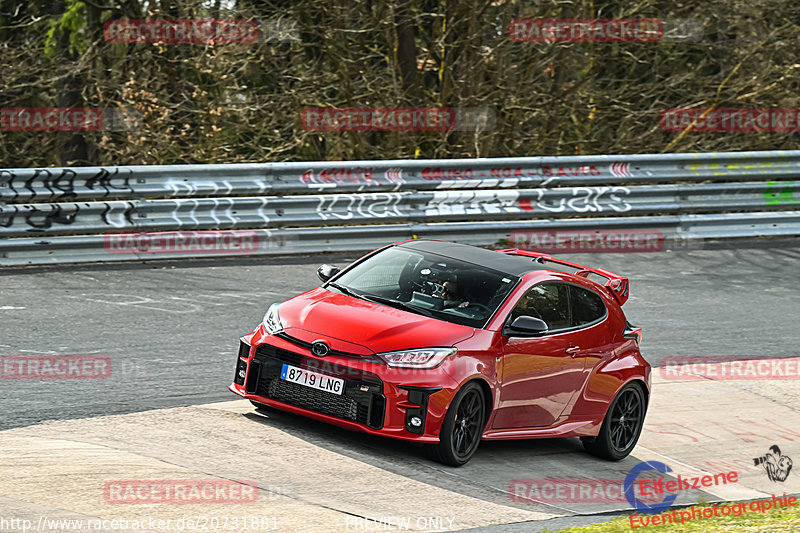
<point x="513" y="265"/>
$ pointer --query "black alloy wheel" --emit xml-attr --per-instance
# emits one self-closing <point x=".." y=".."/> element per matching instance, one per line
<point x="622" y="425"/>
<point x="462" y="427"/>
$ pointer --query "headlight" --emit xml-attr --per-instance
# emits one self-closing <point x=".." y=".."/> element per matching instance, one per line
<point x="272" y="321"/>
<point x="421" y="358"/>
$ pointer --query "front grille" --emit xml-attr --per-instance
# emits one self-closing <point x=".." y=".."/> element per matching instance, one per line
<point x="313" y="399"/>
<point x="362" y="399"/>
<point x="307" y="345"/>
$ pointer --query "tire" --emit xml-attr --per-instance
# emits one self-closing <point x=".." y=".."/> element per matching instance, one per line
<point x="462" y="427"/>
<point x="621" y="427"/>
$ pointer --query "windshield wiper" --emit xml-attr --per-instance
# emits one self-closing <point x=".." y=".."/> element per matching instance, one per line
<point x="345" y="290"/>
<point x="398" y="304"/>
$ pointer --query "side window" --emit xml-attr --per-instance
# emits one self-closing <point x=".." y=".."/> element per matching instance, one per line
<point x="587" y="306"/>
<point x="548" y="301"/>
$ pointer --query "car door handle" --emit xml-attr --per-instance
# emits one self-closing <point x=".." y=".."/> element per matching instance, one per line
<point x="573" y="350"/>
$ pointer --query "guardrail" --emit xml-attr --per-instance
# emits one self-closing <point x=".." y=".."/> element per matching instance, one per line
<point x="133" y="212"/>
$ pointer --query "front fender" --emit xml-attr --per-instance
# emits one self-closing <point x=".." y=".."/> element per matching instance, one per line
<point x="606" y="380"/>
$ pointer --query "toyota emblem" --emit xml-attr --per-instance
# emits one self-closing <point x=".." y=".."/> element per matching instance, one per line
<point x="320" y="349"/>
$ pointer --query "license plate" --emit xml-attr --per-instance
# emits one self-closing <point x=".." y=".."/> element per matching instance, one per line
<point x="312" y="379"/>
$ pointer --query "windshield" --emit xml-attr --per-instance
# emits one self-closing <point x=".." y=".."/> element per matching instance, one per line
<point x="429" y="284"/>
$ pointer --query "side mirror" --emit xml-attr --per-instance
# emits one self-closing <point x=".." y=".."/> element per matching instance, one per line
<point x="326" y="272"/>
<point x="525" y="326"/>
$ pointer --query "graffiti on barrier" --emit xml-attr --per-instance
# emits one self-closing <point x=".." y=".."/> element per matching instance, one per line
<point x="743" y="167"/>
<point x="472" y="203"/>
<point x="204" y="187"/>
<point x="118" y="214"/>
<point x="43" y="183"/>
<point x="346" y="206"/>
<point x="38" y="217"/>
<point x="331" y="177"/>
<point x="780" y="192"/>
<point x="582" y="200"/>
<point x="41" y="217"/>
<point x="545" y="171"/>
<point x="443" y="177"/>
<point x="361" y="176"/>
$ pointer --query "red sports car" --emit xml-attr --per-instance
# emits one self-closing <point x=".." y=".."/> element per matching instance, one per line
<point x="446" y="344"/>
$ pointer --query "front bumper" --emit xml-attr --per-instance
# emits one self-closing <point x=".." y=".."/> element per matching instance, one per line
<point x="376" y="398"/>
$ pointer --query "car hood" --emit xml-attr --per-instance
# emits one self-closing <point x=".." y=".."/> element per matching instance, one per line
<point x="358" y="326"/>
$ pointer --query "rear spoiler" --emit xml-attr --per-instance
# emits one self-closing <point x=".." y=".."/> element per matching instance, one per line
<point x="617" y="285"/>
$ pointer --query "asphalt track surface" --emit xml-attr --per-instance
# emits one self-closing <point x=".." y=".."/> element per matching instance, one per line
<point x="171" y="330"/>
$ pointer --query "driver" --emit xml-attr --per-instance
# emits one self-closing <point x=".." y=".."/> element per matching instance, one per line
<point x="451" y="295"/>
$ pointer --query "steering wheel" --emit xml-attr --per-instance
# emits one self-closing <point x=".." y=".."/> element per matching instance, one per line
<point x="481" y="306"/>
<point x="430" y="288"/>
